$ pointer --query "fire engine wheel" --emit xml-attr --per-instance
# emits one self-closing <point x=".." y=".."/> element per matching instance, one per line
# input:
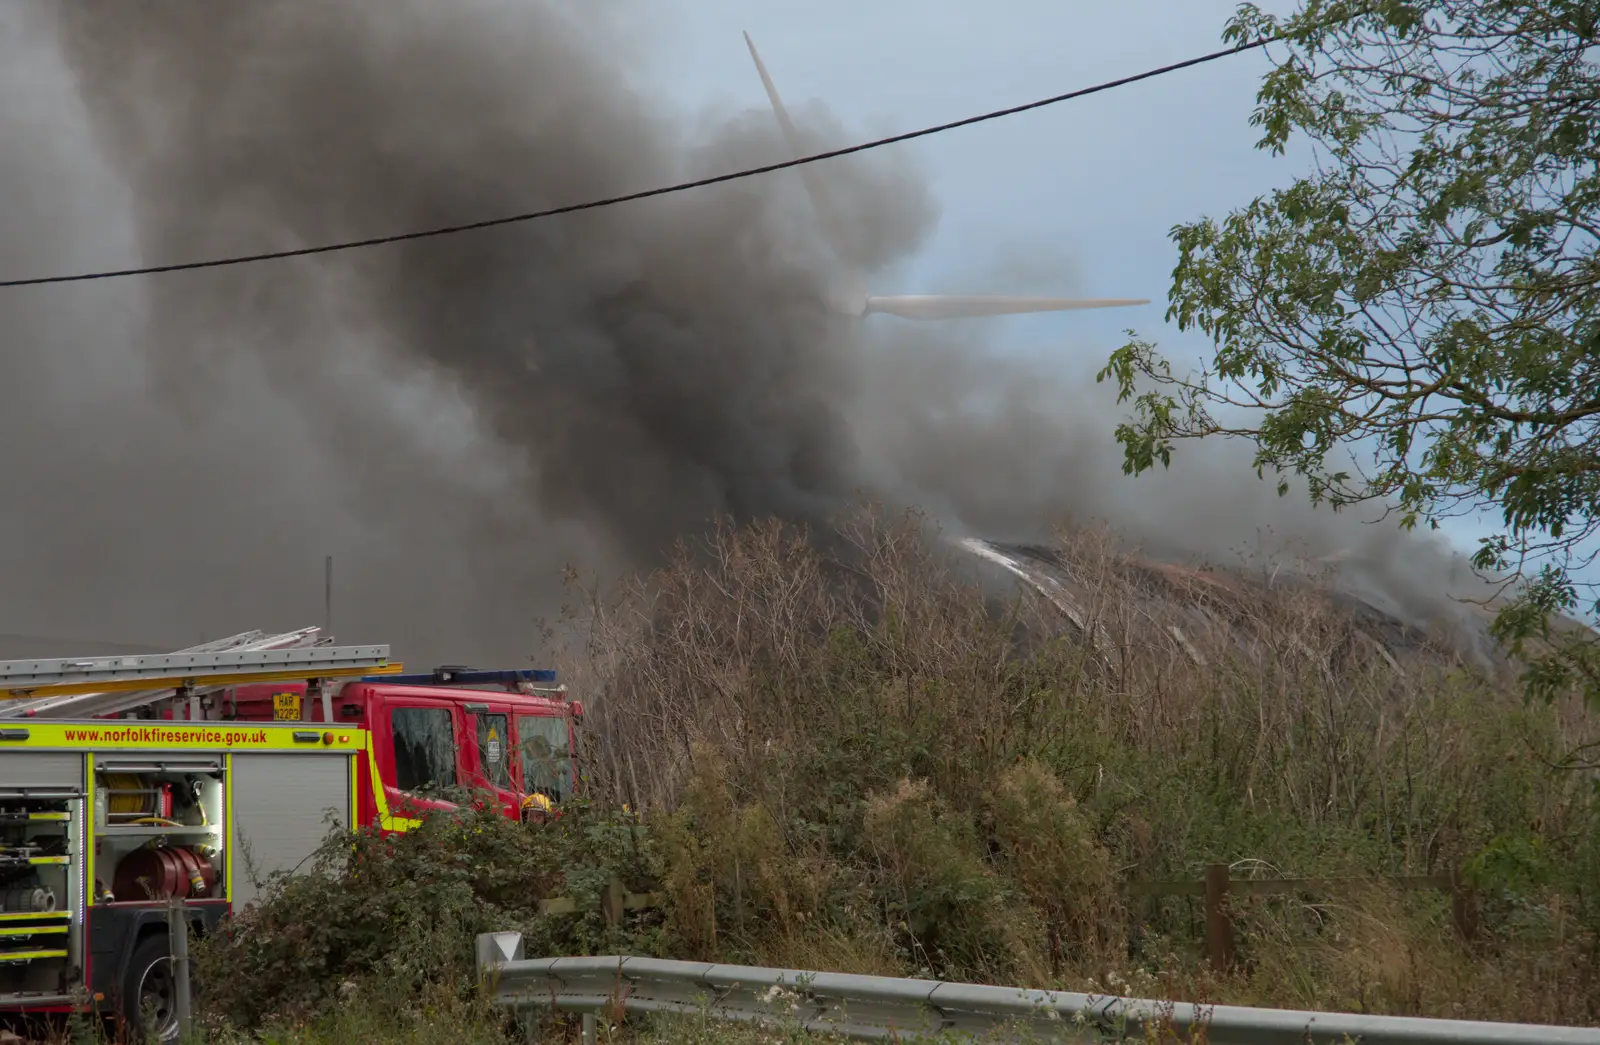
<point x="150" y="995"/>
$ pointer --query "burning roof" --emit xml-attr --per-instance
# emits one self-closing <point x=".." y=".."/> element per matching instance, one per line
<point x="1120" y="600"/>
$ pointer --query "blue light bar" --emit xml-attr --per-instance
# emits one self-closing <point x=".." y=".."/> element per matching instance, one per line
<point x="466" y="677"/>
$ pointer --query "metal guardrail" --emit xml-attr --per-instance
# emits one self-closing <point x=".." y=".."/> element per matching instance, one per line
<point x="876" y="1007"/>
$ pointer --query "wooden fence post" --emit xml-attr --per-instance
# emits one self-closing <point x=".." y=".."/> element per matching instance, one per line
<point x="1219" y="930"/>
<point x="612" y="902"/>
<point x="1463" y="905"/>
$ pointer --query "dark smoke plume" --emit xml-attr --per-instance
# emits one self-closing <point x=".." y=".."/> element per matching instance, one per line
<point x="456" y="419"/>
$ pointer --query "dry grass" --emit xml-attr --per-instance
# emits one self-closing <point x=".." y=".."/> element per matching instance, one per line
<point x="856" y="751"/>
<point x="862" y="754"/>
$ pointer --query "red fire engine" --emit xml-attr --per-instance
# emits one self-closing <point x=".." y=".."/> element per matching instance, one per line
<point x="127" y="781"/>
<point x="488" y="731"/>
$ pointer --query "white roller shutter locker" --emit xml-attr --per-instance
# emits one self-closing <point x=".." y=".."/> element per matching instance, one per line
<point x="279" y="804"/>
<point x="41" y="769"/>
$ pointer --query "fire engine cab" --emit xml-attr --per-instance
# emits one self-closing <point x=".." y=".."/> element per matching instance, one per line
<point x="128" y="781"/>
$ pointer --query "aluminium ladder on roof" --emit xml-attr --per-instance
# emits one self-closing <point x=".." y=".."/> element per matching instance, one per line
<point x="91" y="705"/>
<point x="60" y="671"/>
<point x="118" y="683"/>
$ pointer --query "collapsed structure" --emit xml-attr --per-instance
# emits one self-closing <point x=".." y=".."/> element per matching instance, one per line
<point x="1200" y="612"/>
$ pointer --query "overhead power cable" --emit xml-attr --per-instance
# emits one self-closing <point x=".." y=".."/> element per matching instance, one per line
<point x="611" y="201"/>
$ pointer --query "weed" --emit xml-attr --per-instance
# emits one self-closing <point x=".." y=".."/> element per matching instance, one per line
<point x="858" y="746"/>
<point x="853" y="752"/>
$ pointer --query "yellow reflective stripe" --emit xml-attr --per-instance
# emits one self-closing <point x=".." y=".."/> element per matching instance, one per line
<point x="88" y="830"/>
<point x="227" y="828"/>
<point x="29" y="956"/>
<point x="379" y="799"/>
<point x="129" y="734"/>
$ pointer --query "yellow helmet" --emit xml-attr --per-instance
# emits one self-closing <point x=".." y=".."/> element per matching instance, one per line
<point x="538" y="801"/>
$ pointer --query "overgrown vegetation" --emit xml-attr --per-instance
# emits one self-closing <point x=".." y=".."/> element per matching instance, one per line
<point x="866" y="760"/>
<point x="862" y="759"/>
<point x="379" y="919"/>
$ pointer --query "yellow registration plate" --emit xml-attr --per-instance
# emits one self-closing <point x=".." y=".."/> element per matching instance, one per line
<point x="286" y="707"/>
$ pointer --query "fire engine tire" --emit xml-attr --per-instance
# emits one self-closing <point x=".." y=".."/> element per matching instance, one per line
<point x="149" y="987"/>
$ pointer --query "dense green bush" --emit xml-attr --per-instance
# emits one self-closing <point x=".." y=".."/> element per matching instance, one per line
<point x="393" y="919"/>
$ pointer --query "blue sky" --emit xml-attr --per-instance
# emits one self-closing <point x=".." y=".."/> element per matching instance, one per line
<point x="1097" y="182"/>
<point x="1087" y="191"/>
<point x="1092" y="186"/>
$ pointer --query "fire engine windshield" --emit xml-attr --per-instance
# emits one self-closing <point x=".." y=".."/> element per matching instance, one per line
<point x="546" y="754"/>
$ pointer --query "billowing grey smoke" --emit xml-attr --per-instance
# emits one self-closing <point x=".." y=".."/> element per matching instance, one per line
<point x="456" y="419"/>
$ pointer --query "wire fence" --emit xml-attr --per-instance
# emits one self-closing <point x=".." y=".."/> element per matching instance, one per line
<point x="1218" y="888"/>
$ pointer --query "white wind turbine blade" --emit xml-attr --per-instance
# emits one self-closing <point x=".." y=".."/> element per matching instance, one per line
<point x="855" y="301"/>
<point x="963" y="306"/>
<point x="832" y="226"/>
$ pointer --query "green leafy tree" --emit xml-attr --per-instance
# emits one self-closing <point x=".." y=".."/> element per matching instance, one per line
<point x="1414" y="323"/>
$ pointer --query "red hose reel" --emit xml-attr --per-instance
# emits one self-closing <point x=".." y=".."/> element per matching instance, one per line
<point x="157" y="874"/>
